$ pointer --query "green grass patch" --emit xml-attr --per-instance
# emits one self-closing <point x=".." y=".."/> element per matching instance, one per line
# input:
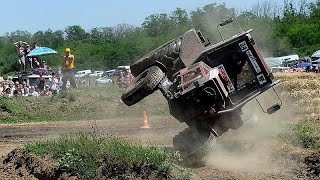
<point x="85" y="103"/>
<point x="13" y="107"/>
<point x="84" y="153"/>
<point x="307" y="134"/>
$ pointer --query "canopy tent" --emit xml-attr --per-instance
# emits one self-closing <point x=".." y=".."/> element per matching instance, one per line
<point x="316" y="54"/>
<point x="273" y="62"/>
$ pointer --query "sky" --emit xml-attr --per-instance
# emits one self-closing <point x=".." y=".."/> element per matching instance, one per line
<point x="41" y="15"/>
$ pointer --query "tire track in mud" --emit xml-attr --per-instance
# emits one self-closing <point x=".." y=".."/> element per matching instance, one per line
<point x="161" y="132"/>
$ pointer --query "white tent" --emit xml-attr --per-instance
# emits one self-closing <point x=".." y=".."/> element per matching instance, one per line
<point x="316" y="54"/>
<point x="278" y="61"/>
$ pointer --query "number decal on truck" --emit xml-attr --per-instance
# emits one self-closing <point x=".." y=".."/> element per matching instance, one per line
<point x="243" y="46"/>
<point x="226" y="78"/>
<point x="261" y="79"/>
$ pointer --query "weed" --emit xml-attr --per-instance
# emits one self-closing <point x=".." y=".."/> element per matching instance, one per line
<point x="84" y="153"/>
<point x="63" y="94"/>
<point x="12" y="106"/>
<point x="72" y="97"/>
<point x="302" y="90"/>
<point x="307" y="134"/>
<point x="86" y="103"/>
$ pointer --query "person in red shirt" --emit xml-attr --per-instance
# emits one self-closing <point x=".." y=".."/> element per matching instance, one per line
<point x="125" y="79"/>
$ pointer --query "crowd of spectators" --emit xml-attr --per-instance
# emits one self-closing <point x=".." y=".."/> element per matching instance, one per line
<point x="40" y="88"/>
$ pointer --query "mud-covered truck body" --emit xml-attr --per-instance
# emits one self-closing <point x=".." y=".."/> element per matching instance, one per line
<point x="206" y="85"/>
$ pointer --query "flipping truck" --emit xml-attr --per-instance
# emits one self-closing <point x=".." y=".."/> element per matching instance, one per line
<point x="205" y="84"/>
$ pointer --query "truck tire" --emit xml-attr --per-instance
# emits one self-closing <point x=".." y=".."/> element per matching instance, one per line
<point x="143" y="85"/>
<point x="228" y="121"/>
<point x="193" y="145"/>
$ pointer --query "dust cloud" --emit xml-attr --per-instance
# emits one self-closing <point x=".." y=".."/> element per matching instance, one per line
<point x="253" y="147"/>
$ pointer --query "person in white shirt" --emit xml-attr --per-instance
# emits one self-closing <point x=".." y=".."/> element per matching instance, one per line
<point x="33" y="92"/>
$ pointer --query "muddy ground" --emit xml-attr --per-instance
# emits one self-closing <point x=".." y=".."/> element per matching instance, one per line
<point x="248" y="153"/>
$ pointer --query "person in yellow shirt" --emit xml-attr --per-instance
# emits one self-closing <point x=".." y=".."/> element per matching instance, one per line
<point x="68" y="70"/>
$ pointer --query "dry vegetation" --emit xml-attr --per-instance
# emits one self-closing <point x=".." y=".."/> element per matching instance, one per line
<point x="301" y="91"/>
<point x="86" y="103"/>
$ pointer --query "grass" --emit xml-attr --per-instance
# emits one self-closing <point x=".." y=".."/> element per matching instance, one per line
<point x="85" y="103"/>
<point x="85" y="153"/>
<point x="302" y="91"/>
<point x="307" y="134"/>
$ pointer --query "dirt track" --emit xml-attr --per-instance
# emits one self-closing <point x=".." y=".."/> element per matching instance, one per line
<point x="237" y="159"/>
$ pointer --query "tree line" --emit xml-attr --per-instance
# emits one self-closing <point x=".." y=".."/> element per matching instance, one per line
<point x="290" y="27"/>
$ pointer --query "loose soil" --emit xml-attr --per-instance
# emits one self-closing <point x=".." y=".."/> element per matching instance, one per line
<point x="236" y="156"/>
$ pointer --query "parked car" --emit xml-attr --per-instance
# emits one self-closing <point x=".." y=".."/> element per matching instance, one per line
<point x="82" y="73"/>
<point x="280" y="69"/>
<point x="121" y="69"/>
<point x="96" y="74"/>
<point x="103" y="80"/>
<point x="108" y="73"/>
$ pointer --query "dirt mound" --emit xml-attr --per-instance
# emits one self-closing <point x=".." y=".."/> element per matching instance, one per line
<point x="20" y="164"/>
<point x="313" y="166"/>
<point x="23" y="165"/>
<point x="119" y="171"/>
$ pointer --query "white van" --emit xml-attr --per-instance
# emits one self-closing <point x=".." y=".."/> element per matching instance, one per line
<point x="82" y="73"/>
<point x="96" y="74"/>
<point x="32" y="79"/>
<point x="280" y="69"/>
<point x="121" y="69"/>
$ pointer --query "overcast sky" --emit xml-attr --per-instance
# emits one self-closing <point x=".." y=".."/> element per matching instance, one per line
<point x="34" y="15"/>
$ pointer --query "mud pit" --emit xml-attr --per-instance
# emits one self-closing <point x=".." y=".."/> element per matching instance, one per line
<point x="248" y="156"/>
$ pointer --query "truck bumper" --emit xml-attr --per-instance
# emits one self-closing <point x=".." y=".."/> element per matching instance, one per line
<point x="246" y="100"/>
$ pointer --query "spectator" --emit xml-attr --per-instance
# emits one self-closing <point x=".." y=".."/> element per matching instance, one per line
<point x="35" y="63"/>
<point x="46" y="91"/>
<point x="16" y="85"/>
<point x="11" y="87"/>
<point x="24" y="89"/>
<point x="128" y="76"/>
<point x="16" y="93"/>
<point x="55" y="84"/>
<point x="8" y="92"/>
<point x="315" y="68"/>
<point x="34" y="45"/>
<point x="27" y="59"/>
<point x="33" y="92"/>
<point x="44" y="65"/>
<point x="20" y="54"/>
<point x="120" y="80"/>
<point x="41" y="83"/>
<point x="124" y="79"/>
<point x="68" y="70"/>
<point x="2" y="88"/>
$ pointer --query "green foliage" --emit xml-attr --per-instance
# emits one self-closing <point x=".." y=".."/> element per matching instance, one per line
<point x="85" y="153"/>
<point x="85" y="103"/>
<point x="292" y="29"/>
<point x="13" y="107"/>
<point x="307" y="134"/>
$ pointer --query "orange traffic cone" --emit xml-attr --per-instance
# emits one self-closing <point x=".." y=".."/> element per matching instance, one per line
<point x="145" y="120"/>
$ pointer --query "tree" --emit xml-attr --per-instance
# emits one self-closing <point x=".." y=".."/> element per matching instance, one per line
<point x="157" y="24"/>
<point x="75" y="33"/>
<point x="180" y="17"/>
